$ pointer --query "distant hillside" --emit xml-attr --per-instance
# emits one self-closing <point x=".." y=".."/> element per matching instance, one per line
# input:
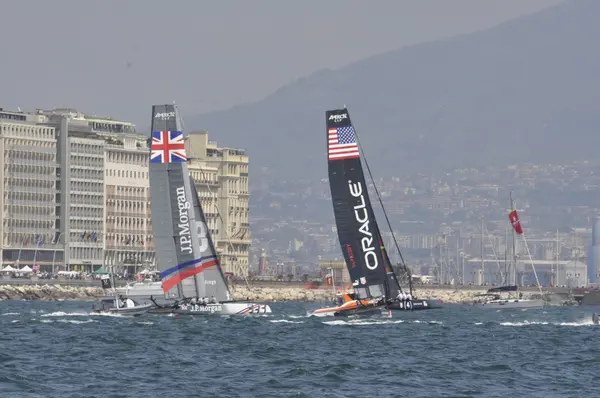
<point x="527" y="90"/>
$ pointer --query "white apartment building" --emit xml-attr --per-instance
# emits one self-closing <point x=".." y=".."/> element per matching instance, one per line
<point x="221" y="176"/>
<point x="128" y="242"/>
<point x="75" y="193"/>
<point x="28" y="229"/>
<point x="89" y="154"/>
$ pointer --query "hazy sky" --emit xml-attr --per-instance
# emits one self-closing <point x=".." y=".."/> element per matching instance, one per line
<point x="117" y="57"/>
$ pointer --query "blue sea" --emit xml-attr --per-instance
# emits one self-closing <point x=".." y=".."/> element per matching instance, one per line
<point x="57" y="349"/>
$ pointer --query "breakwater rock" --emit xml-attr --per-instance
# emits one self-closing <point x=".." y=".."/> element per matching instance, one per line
<point x="49" y="292"/>
<point x="280" y="294"/>
<point x="301" y="294"/>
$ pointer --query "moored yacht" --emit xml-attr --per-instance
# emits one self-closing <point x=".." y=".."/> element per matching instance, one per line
<point x="494" y="299"/>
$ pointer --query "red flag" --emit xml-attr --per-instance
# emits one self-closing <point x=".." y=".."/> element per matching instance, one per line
<point x="514" y="220"/>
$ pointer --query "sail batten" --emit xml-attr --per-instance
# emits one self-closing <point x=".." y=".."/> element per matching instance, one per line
<point x="357" y="228"/>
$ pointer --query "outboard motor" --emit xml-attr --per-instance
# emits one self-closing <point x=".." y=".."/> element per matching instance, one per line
<point x="595" y="319"/>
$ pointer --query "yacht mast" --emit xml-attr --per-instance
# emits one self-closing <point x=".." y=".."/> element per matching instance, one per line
<point x="514" y="246"/>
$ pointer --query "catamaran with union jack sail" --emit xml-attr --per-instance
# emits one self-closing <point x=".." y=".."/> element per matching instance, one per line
<point x="373" y="278"/>
<point x="191" y="274"/>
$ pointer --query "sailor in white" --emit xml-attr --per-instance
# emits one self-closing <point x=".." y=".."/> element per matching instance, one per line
<point x="408" y="297"/>
<point x="401" y="297"/>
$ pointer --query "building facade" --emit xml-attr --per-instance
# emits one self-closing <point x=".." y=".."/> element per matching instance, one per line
<point x="28" y="230"/>
<point x="128" y="243"/>
<point x="221" y="176"/>
<point x="98" y="161"/>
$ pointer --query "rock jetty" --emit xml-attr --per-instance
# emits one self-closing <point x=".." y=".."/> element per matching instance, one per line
<point x="301" y="294"/>
<point x="49" y="292"/>
<point x="240" y="292"/>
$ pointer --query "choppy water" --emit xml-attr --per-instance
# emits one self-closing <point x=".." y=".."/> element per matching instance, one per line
<point x="60" y="350"/>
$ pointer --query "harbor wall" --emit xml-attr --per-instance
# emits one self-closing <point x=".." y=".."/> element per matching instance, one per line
<point x="16" y="291"/>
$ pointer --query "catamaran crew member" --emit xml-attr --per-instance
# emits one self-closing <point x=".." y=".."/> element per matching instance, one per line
<point x="408" y="297"/>
<point x="401" y="297"/>
<point x="213" y="300"/>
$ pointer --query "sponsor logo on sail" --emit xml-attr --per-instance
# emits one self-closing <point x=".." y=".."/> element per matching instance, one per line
<point x="362" y="217"/>
<point x="164" y="115"/>
<point x="210" y="282"/>
<point x="338" y="118"/>
<point x="185" y="237"/>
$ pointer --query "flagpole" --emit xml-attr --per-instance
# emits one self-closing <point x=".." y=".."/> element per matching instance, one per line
<point x="20" y="248"/>
<point x="54" y="254"/>
<point x="38" y="240"/>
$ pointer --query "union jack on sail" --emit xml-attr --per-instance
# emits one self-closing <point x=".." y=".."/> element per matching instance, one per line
<point x="168" y="147"/>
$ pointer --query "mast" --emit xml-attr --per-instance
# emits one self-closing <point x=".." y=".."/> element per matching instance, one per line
<point x="506" y="265"/>
<point x="482" y="254"/>
<point x="457" y="262"/>
<point x="555" y="281"/>
<point x="514" y="246"/>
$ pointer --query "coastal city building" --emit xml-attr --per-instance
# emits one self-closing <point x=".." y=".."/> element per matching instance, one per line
<point x="104" y="192"/>
<point x="28" y="229"/>
<point x="75" y="192"/>
<point x="337" y="268"/>
<point x="221" y="176"/>
<point x="128" y="234"/>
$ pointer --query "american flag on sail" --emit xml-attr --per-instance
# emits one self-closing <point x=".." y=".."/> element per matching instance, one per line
<point x="342" y="143"/>
<point x="167" y="147"/>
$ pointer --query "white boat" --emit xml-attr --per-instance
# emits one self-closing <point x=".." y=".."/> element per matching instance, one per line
<point x="192" y="279"/>
<point x="493" y="299"/>
<point x="121" y="306"/>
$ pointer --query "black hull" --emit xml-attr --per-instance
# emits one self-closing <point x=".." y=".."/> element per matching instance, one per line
<point x="416" y="305"/>
<point x="365" y="312"/>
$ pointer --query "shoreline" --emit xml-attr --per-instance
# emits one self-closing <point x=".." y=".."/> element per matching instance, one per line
<point x="53" y="292"/>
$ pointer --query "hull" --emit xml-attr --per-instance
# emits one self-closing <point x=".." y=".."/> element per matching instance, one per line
<point x="128" y="311"/>
<point x="350" y="308"/>
<point x="416" y="305"/>
<point x="223" y="309"/>
<point x="513" y="304"/>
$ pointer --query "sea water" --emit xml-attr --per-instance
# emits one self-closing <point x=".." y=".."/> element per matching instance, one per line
<point x="59" y="349"/>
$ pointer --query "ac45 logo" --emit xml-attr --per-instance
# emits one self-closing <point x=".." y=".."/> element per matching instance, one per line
<point x="164" y="115"/>
<point x="338" y="118"/>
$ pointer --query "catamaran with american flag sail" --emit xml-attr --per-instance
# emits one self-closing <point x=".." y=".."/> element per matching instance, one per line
<point x="191" y="274"/>
<point x="375" y="283"/>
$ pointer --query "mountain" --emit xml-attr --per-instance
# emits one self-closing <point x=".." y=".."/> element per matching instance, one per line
<point x="525" y="91"/>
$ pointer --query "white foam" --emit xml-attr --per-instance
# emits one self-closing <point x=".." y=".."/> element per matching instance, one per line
<point x="284" y="321"/>
<point x="11" y="313"/>
<point x="362" y="322"/>
<point x="62" y="313"/>
<point x="587" y="322"/>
